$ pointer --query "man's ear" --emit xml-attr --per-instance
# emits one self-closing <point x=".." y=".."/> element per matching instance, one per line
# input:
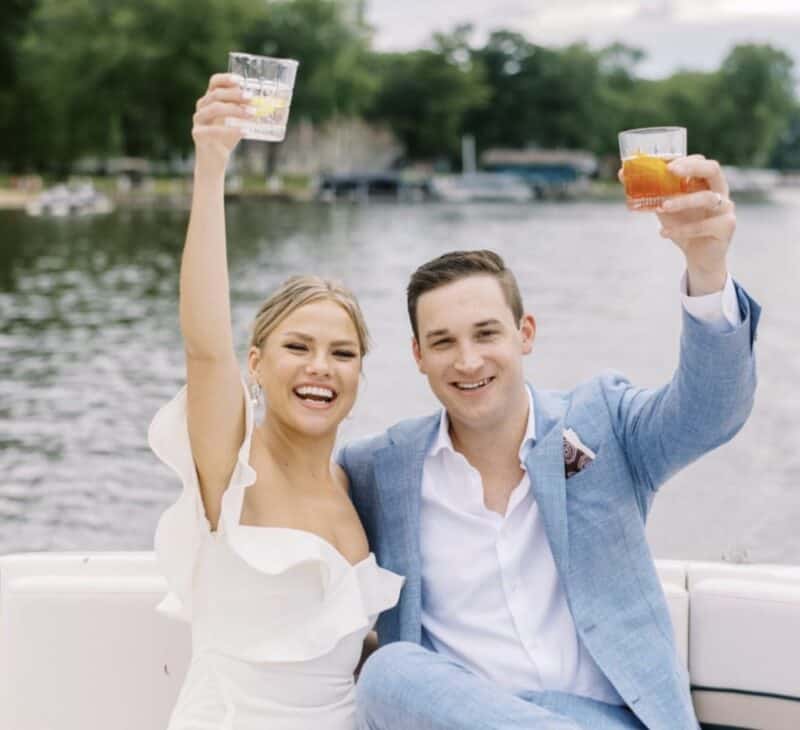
<point x="527" y="331"/>
<point x="417" y="354"/>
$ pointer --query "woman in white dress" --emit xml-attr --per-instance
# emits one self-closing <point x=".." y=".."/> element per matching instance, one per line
<point x="263" y="551"/>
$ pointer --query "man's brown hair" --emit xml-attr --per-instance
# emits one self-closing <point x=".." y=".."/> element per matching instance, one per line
<point x="458" y="265"/>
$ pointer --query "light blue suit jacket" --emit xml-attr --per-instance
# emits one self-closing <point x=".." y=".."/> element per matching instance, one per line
<point x="595" y="521"/>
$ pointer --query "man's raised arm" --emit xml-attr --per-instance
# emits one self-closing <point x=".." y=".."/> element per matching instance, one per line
<point x="711" y="393"/>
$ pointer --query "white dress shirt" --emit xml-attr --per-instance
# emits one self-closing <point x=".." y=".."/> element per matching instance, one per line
<point x="492" y="599"/>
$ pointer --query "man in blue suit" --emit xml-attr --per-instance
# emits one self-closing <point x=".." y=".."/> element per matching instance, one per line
<point x="518" y="515"/>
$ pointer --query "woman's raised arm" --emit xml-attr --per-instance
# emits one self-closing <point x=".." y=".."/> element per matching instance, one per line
<point x="204" y="289"/>
<point x="215" y="401"/>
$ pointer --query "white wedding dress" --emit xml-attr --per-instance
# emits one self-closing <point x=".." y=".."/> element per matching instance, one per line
<point x="278" y="615"/>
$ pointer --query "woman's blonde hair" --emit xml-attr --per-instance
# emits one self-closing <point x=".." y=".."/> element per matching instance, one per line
<point x="297" y="291"/>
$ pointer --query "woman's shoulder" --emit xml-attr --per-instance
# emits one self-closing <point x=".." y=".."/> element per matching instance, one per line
<point x="340" y="478"/>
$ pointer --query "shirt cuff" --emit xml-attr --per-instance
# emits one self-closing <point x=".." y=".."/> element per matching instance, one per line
<point x="719" y="311"/>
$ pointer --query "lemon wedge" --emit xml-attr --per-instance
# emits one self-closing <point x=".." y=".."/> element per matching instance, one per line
<point x="266" y="105"/>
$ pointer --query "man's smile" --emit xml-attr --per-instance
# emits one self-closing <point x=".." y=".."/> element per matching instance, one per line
<point x="467" y="386"/>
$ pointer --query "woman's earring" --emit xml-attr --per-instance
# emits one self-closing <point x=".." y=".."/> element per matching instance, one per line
<point x="255" y="394"/>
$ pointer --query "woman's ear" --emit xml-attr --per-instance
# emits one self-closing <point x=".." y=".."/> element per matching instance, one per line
<point x="253" y="359"/>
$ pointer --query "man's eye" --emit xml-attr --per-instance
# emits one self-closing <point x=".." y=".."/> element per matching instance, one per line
<point x="440" y="343"/>
<point x="485" y="334"/>
<point x="295" y="346"/>
<point x="345" y="354"/>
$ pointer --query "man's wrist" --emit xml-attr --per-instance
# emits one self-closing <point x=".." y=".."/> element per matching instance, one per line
<point x="700" y="283"/>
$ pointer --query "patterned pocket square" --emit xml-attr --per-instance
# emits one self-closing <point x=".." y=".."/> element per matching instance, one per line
<point x="577" y="456"/>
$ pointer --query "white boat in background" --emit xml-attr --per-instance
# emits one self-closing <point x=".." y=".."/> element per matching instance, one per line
<point x="481" y="186"/>
<point x="751" y="180"/>
<point x="64" y="200"/>
<point x="83" y="648"/>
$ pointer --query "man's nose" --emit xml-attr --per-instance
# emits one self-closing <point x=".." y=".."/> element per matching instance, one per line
<point x="469" y="359"/>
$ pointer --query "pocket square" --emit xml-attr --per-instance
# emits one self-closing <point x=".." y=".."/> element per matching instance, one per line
<point x="577" y="456"/>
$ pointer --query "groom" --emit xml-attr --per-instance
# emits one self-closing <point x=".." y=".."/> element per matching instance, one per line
<point x="518" y="515"/>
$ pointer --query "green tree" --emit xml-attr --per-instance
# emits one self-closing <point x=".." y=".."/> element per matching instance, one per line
<point x="508" y="117"/>
<point x="751" y="104"/>
<point x="335" y="77"/>
<point x="122" y="77"/>
<point x="571" y="97"/>
<point x="786" y="155"/>
<point x="425" y="95"/>
<point x="15" y="117"/>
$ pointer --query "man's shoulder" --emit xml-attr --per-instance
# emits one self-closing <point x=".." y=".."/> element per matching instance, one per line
<point x="605" y="387"/>
<point x="363" y="449"/>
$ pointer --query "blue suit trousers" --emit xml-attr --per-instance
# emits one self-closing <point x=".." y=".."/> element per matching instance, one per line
<point x="404" y="686"/>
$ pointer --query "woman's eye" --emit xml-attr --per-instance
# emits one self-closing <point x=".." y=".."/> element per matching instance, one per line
<point x="296" y="346"/>
<point x="345" y="354"/>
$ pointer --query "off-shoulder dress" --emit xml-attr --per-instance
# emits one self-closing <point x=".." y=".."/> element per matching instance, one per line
<point x="278" y="615"/>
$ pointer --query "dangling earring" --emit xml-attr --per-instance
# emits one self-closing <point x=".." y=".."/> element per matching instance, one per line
<point x="255" y="394"/>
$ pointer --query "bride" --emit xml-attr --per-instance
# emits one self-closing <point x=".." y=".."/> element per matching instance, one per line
<point x="263" y="551"/>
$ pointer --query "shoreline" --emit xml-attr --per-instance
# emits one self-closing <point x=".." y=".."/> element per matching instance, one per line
<point x="177" y="193"/>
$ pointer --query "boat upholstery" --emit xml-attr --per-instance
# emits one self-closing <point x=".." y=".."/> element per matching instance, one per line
<point x="82" y="648"/>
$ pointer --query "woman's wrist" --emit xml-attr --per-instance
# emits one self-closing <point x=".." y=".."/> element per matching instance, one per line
<point x="210" y="162"/>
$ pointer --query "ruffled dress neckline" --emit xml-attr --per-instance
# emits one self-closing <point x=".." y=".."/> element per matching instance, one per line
<point x="270" y="593"/>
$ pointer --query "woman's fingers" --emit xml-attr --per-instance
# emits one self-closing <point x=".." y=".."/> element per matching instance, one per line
<point x="227" y="93"/>
<point x="224" y="98"/>
<point x="217" y="111"/>
<point x="224" y="80"/>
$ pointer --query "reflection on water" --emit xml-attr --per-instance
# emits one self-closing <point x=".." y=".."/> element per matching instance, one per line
<point x="91" y="348"/>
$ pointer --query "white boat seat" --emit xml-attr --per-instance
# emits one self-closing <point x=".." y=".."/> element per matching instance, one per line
<point x="86" y="652"/>
<point x="743" y="652"/>
<point x="82" y="648"/>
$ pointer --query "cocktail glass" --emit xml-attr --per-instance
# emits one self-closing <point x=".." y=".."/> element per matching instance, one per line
<point x="645" y="154"/>
<point x="269" y="82"/>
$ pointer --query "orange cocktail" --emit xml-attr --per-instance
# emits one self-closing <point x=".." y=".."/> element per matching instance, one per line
<point x="645" y="154"/>
<point x="648" y="182"/>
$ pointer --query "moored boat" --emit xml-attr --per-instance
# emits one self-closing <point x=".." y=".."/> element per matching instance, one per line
<point x="480" y="186"/>
<point x="64" y="200"/>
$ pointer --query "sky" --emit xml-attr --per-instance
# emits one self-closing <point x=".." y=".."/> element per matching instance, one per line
<point x="693" y="34"/>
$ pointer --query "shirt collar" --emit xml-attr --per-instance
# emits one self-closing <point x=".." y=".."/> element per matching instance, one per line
<point x="443" y="442"/>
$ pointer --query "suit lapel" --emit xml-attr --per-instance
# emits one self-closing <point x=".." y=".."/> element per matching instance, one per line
<point x="398" y="472"/>
<point x="545" y="464"/>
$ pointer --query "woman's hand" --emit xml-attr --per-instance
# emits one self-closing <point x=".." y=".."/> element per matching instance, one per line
<point x="213" y="140"/>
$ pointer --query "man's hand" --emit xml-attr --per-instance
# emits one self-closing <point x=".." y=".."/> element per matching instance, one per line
<point x="700" y="224"/>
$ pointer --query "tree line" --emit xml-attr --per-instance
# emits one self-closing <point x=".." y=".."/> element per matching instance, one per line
<point x="120" y="77"/>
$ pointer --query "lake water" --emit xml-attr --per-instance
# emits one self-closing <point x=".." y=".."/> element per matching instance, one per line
<point x="90" y="348"/>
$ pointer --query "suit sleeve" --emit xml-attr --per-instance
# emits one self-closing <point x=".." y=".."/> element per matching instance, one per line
<point x="704" y="405"/>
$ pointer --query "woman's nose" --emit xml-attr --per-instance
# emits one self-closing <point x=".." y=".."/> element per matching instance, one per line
<point x="318" y="365"/>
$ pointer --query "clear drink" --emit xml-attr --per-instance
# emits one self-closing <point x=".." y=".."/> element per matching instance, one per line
<point x="269" y="82"/>
<point x="271" y="107"/>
